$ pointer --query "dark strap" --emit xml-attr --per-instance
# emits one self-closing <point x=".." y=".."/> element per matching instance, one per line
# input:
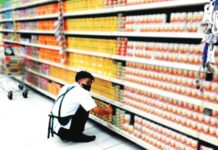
<point x="50" y="126"/>
<point x="62" y="99"/>
<point x="51" y="116"/>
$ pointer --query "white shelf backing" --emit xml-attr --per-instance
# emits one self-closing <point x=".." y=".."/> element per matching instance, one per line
<point x="123" y="133"/>
<point x="140" y="34"/>
<point x="157" y="5"/>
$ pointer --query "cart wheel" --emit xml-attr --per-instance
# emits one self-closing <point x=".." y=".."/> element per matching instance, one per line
<point x="25" y="93"/>
<point x="10" y="95"/>
<point x="20" y="86"/>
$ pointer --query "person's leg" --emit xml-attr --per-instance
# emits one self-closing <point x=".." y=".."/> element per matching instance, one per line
<point x="79" y="120"/>
<point x="78" y="125"/>
<point x="63" y="133"/>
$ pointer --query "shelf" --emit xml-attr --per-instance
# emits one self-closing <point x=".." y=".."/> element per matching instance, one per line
<point x="123" y="133"/>
<point x="88" y="33"/>
<point x="156" y="5"/>
<point x="157" y="62"/>
<point x="210" y="105"/>
<point x="35" y="31"/>
<point x="124" y="34"/>
<point x="40" y="45"/>
<point x="209" y="139"/>
<point x="52" y="63"/>
<point x="47" y="76"/>
<point x="37" y="88"/>
<point x="5" y="9"/>
<point x="89" y="53"/>
<point x="37" y="17"/>
<point x="30" y="18"/>
<point x="6" y="30"/>
<point x="181" y="35"/>
<point x="6" y="20"/>
<point x="28" y="31"/>
<point x="33" y="45"/>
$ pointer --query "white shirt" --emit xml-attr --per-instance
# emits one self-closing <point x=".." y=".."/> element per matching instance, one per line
<point x="72" y="100"/>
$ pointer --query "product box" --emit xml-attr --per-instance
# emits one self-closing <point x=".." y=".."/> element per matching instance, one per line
<point x="12" y="65"/>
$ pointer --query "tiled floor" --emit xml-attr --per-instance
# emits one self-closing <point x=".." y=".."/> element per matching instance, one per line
<point x="23" y="125"/>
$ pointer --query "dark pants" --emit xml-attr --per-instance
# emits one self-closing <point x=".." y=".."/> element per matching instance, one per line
<point x="77" y="126"/>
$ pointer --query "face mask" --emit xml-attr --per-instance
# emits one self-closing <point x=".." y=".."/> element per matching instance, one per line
<point x="86" y="87"/>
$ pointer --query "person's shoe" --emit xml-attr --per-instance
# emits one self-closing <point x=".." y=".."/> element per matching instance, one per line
<point x="83" y="138"/>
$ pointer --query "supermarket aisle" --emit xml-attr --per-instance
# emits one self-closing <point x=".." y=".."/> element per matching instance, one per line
<point x="24" y="125"/>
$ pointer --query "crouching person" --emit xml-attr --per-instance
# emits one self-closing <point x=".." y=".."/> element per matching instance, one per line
<point x="71" y="110"/>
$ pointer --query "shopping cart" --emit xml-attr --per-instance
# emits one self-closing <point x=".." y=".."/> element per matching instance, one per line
<point x="12" y="67"/>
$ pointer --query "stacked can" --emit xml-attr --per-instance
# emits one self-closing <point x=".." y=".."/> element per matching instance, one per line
<point x="121" y="46"/>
